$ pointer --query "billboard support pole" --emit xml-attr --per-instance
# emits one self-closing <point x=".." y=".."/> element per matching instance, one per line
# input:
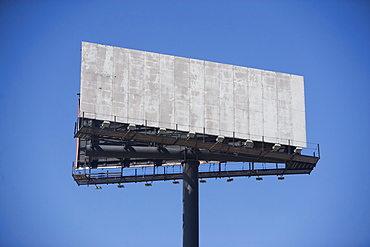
<point x="190" y="201"/>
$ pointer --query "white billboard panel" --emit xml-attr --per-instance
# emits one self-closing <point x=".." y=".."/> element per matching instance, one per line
<point x="131" y="86"/>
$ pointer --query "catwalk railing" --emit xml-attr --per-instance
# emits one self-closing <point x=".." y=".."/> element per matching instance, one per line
<point x="147" y="174"/>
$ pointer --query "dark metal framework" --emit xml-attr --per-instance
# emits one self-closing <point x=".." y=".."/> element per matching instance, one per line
<point x="112" y="152"/>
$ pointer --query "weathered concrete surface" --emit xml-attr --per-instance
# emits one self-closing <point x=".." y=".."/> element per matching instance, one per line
<point x="191" y="95"/>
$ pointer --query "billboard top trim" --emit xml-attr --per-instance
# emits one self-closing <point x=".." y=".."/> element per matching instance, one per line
<point x="199" y="59"/>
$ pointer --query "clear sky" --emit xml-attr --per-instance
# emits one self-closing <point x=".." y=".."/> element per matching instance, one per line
<point x="328" y="42"/>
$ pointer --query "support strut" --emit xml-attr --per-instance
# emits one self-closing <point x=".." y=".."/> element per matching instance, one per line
<point x="190" y="200"/>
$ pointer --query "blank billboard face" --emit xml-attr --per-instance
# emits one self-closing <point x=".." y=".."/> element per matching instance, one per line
<point x="131" y="86"/>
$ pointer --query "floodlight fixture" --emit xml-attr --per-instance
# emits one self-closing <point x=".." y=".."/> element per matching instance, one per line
<point x="105" y="124"/>
<point x="191" y="134"/>
<point x="131" y="127"/>
<point x="120" y="186"/>
<point x="259" y="179"/>
<point x="281" y="178"/>
<point x="202" y="181"/>
<point x="230" y="180"/>
<point x="248" y="144"/>
<point x="220" y="139"/>
<point x="298" y="150"/>
<point x="175" y="182"/>
<point x="276" y="147"/>
<point x="148" y="184"/>
<point x="97" y="187"/>
<point x="161" y="131"/>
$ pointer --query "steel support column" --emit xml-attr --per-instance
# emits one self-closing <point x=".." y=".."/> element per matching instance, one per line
<point x="190" y="200"/>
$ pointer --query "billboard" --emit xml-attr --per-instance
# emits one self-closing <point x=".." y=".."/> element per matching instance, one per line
<point x="158" y="90"/>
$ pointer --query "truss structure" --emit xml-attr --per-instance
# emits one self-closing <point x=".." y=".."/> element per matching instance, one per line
<point x="112" y="152"/>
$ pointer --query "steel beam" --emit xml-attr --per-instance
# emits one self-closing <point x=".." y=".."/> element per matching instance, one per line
<point x="160" y="153"/>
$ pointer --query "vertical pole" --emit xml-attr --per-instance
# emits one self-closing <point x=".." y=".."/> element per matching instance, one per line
<point x="190" y="201"/>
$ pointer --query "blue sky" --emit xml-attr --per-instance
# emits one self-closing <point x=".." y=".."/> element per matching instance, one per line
<point x="325" y="41"/>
